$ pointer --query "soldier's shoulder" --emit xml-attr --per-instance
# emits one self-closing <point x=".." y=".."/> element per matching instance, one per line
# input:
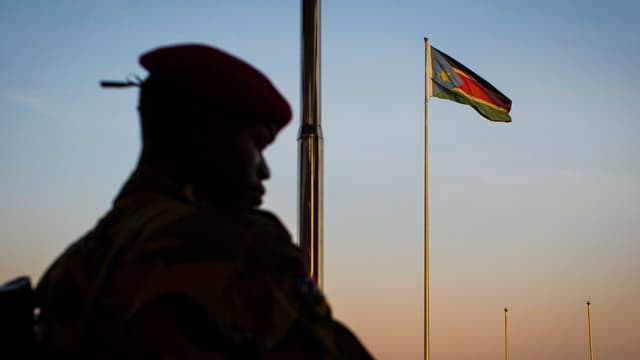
<point x="211" y="234"/>
<point x="228" y="224"/>
<point x="129" y="219"/>
<point x="274" y="246"/>
<point x="267" y="220"/>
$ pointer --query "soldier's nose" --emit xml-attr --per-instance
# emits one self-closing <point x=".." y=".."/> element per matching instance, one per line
<point x="263" y="169"/>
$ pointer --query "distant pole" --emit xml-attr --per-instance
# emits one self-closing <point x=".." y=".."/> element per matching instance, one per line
<point x="506" y="334"/>
<point x="590" y="333"/>
<point x="310" y="186"/>
<point x="427" y="77"/>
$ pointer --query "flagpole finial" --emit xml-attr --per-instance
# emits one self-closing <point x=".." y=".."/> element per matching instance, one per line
<point x="426" y="39"/>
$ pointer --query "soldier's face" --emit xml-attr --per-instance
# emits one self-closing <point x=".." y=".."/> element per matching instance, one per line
<point x="233" y="167"/>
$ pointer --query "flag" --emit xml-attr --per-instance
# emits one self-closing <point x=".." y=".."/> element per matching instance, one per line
<point x="454" y="81"/>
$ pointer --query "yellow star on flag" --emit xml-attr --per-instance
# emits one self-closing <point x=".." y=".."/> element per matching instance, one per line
<point x="444" y="76"/>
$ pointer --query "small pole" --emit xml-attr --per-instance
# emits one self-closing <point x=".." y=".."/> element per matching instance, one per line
<point x="506" y="334"/>
<point x="590" y="333"/>
<point x="427" y="79"/>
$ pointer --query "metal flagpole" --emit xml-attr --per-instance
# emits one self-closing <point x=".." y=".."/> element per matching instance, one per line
<point x="506" y="334"/>
<point x="310" y="186"/>
<point x="590" y="333"/>
<point x="427" y="59"/>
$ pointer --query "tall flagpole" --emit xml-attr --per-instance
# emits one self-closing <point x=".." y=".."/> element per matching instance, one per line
<point x="506" y="334"/>
<point x="427" y="77"/>
<point x="310" y="186"/>
<point x="590" y="333"/>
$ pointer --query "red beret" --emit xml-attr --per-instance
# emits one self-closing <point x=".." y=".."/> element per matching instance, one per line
<point x="220" y="77"/>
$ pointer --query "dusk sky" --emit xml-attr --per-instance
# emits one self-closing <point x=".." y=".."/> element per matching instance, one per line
<point x="539" y="215"/>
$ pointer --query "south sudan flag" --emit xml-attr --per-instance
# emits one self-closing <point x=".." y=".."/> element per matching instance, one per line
<point x="454" y="81"/>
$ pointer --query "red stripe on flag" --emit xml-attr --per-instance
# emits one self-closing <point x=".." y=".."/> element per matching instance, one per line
<point x="472" y="87"/>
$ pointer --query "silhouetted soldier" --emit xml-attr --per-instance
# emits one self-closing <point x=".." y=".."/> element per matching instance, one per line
<point x="183" y="265"/>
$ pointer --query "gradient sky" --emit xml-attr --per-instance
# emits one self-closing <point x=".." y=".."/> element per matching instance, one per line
<point x="539" y="215"/>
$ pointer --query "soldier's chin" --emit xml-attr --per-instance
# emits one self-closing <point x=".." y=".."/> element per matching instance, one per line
<point x="255" y="201"/>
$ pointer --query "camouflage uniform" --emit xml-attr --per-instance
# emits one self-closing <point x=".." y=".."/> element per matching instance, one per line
<point x="223" y="284"/>
<point x="163" y="275"/>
